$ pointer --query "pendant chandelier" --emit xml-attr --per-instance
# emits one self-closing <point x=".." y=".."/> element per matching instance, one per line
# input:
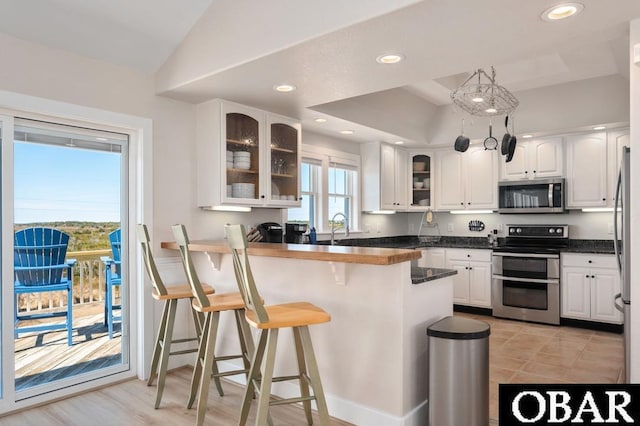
<point x="480" y="95"/>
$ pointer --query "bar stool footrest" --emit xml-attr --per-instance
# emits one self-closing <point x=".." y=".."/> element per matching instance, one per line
<point x="190" y="339"/>
<point x="291" y="400"/>
<point x="184" y="351"/>
<point x="285" y="378"/>
<point x="230" y="373"/>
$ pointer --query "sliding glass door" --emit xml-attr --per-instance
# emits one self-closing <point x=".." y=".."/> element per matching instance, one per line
<point x="68" y="292"/>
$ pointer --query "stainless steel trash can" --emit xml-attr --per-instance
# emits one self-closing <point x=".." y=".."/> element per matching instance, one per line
<point x="458" y="372"/>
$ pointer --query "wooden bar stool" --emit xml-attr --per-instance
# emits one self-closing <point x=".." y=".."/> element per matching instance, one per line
<point x="170" y="295"/>
<point x="211" y="305"/>
<point x="269" y="319"/>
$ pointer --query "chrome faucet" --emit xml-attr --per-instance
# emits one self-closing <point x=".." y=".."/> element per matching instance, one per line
<point x="333" y="226"/>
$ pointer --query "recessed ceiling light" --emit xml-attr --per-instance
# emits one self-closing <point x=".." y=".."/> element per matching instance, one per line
<point x="320" y="120"/>
<point x="347" y="132"/>
<point x="101" y="139"/>
<point x="527" y="136"/>
<point x="284" y="88"/>
<point x="477" y="99"/>
<point x="399" y="142"/>
<point x="562" y="11"/>
<point x="599" y="128"/>
<point x="491" y="110"/>
<point x="389" y="59"/>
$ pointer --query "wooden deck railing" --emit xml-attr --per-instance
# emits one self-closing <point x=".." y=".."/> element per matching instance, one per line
<point x="88" y="284"/>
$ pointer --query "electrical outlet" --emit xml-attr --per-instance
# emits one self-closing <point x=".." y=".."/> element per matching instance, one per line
<point x="450" y="227"/>
<point x="499" y="228"/>
<point x="610" y="228"/>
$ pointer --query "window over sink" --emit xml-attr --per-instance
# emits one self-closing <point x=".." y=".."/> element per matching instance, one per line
<point x="329" y="185"/>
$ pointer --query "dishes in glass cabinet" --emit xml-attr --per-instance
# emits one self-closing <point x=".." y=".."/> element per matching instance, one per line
<point x="242" y="160"/>
<point x="243" y="190"/>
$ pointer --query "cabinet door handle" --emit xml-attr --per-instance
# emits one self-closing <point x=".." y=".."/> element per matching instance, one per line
<point x="534" y="171"/>
<point x="262" y="196"/>
<point x="526" y="172"/>
<point x="590" y="261"/>
<point x="593" y="276"/>
<point x="586" y="276"/>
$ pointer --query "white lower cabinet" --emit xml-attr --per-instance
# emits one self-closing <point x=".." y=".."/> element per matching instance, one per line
<point x="588" y="287"/>
<point x="472" y="283"/>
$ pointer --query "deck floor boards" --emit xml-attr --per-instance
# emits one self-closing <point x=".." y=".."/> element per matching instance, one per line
<point x="44" y="357"/>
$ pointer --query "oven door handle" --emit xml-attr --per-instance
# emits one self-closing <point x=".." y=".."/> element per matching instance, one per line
<point x="525" y="280"/>
<point x="536" y="255"/>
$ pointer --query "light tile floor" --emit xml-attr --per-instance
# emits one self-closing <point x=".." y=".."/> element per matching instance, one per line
<point x="521" y="352"/>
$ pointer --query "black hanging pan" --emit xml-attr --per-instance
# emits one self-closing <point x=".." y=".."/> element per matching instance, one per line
<point x="462" y="142"/>
<point x="504" y="148"/>
<point x="512" y="143"/>
<point x="490" y="142"/>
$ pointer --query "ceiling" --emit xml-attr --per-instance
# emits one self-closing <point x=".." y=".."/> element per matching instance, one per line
<point x="330" y="57"/>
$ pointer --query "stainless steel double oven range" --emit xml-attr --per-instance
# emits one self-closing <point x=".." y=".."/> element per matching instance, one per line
<point x="526" y="273"/>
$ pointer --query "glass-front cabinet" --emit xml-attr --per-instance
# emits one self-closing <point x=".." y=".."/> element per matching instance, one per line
<point x="284" y="160"/>
<point x="242" y="153"/>
<point x="258" y="154"/>
<point x="421" y="166"/>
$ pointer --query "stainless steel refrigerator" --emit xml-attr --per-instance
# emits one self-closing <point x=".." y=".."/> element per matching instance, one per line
<point x="622" y="232"/>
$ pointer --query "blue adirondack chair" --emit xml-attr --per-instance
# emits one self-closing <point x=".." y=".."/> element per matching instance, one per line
<point x="113" y="278"/>
<point x="40" y="266"/>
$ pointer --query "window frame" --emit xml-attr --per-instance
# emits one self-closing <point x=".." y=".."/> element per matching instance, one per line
<point x="327" y="158"/>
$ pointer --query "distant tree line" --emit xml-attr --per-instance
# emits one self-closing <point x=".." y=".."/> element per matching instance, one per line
<point x="83" y="235"/>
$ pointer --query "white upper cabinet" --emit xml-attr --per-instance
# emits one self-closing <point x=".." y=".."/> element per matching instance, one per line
<point x="532" y="159"/>
<point x="283" y="161"/>
<point x="420" y="180"/>
<point x="449" y="180"/>
<point x="587" y="170"/>
<point x="246" y="157"/>
<point x="385" y="177"/>
<point x="466" y="180"/>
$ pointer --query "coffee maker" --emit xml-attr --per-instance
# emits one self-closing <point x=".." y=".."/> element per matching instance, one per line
<point x="271" y="232"/>
<point x="294" y="233"/>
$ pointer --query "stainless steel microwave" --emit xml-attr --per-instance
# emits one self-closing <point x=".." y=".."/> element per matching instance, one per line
<point x="532" y="196"/>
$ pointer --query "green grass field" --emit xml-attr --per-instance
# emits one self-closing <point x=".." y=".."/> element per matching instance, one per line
<point x="83" y="235"/>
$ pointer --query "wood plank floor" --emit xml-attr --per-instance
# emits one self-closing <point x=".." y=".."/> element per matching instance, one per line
<point x="519" y="353"/>
<point x="44" y="357"/>
<point x="131" y="403"/>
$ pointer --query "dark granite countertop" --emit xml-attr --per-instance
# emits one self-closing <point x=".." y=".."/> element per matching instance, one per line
<point x="413" y="242"/>
<point x="421" y="275"/>
<point x="590" y="246"/>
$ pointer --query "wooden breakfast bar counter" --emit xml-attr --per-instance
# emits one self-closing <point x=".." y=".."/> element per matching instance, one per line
<point x="373" y="354"/>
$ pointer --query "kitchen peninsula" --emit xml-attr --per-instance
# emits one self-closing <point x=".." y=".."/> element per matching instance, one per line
<point x="373" y="354"/>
